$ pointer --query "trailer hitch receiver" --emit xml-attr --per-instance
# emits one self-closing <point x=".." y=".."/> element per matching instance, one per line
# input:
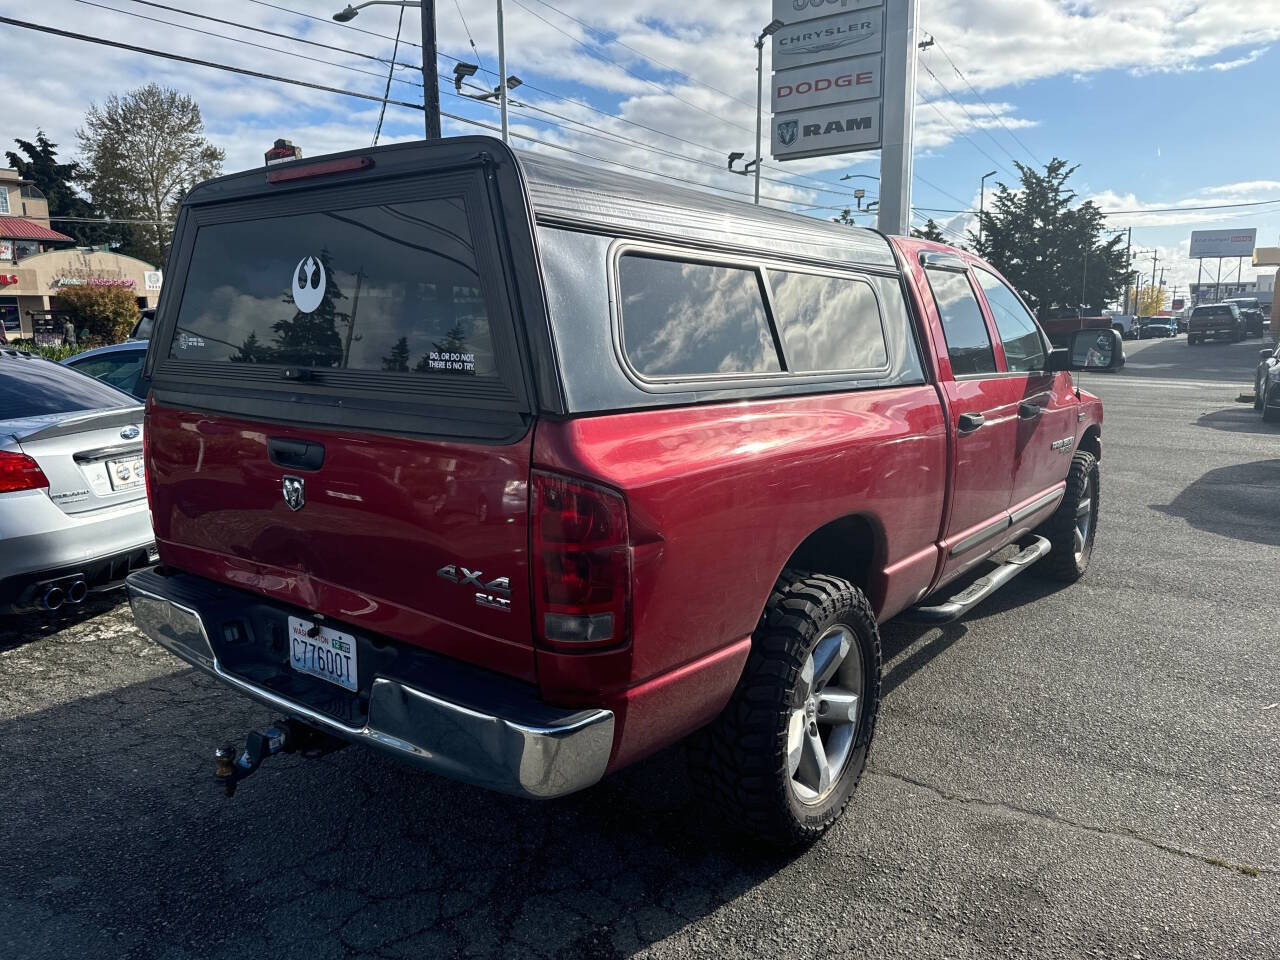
<point x="283" y="736"/>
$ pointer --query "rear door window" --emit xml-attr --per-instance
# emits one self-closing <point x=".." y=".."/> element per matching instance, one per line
<point x="827" y="323"/>
<point x="1023" y="345"/>
<point x="687" y="319"/>
<point x="381" y="288"/>
<point x="35" y="388"/>
<point x="965" y="330"/>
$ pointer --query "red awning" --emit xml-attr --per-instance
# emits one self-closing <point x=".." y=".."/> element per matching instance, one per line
<point x="16" y="228"/>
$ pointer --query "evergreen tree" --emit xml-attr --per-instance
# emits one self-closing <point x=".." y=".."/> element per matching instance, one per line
<point x="1048" y="246"/>
<point x="930" y="231"/>
<point x="37" y="161"/>
<point x="398" y="360"/>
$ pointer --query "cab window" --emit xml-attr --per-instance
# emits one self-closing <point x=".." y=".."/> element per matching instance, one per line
<point x="1023" y="345"/>
<point x="968" y="342"/>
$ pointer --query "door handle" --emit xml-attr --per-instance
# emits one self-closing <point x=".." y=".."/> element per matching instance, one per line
<point x="970" y="422"/>
<point x="1029" y="411"/>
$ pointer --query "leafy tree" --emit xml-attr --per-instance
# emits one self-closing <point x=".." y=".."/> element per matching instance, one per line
<point x="1048" y="246"/>
<point x="101" y="313"/>
<point x="141" y="153"/>
<point x="37" y="161"/>
<point x="930" y="231"/>
<point x="1150" y="301"/>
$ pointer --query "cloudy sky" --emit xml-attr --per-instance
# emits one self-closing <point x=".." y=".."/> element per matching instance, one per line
<point x="1163" y="103"/>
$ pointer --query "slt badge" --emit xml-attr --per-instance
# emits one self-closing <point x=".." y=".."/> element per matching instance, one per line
<point x="295" y="493"/>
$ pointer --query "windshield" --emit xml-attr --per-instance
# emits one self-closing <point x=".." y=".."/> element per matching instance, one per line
<point x="36" y="387"/>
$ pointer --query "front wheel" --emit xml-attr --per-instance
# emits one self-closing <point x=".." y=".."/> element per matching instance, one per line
<point x="1070" y="531"/>
<point x="785" y="754"/>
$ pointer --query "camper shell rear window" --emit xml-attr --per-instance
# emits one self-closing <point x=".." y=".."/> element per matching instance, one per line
<point x="383" y="305"/>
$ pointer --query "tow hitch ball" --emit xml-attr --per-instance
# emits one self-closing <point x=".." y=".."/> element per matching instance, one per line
<point x="284" y="736"/>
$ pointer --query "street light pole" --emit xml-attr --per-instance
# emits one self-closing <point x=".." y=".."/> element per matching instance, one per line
<point x="430" y="81"/>
<point x="773" y="27"/>
<point x="982" y="200"/>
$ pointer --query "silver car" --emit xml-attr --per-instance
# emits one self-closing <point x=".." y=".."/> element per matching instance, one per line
<point x="73" y="500"/>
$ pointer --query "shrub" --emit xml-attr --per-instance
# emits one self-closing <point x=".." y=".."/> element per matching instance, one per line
<point x="101" y="314"/>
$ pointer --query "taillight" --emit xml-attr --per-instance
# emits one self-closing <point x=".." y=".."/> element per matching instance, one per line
<point x="20" y="472"/>
<point x="582" y="564"/>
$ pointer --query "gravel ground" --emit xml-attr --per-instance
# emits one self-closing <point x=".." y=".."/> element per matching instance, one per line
<point x="1089" y="771"/>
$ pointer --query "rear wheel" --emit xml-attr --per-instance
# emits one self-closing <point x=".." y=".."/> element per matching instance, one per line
<point x="784" y="756"/>
<point x="1070" y="531"/>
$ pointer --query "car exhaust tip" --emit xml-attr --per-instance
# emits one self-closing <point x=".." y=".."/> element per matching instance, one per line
<point x="53" y="598"/>
<point x="77" y="591"/>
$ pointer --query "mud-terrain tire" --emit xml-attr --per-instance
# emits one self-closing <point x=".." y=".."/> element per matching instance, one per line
<point x="1072" y="546"/>
<point x="747" y="764"/>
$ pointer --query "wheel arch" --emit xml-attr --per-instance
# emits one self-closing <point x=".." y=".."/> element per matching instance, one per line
<point x="851" y="547"/>
<point x="1091" y="441"/>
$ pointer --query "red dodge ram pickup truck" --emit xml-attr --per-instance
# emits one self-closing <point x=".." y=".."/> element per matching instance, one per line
<point x="520" y="470"/>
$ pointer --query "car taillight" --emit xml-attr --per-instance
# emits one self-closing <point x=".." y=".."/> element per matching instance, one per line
<point x="581" y="563"/>
<point x="20" y="472"/>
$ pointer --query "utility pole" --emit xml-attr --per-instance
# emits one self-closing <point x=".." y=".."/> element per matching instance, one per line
<point x="1128" y="268"/>
<point x="1199" y="286"/>
<point x="982" y="202"/>
<point x="1155" y="258"/>
<point x="430" y="82"/>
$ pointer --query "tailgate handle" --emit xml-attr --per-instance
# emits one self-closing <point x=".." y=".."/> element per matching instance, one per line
<point x="295" y="454"/>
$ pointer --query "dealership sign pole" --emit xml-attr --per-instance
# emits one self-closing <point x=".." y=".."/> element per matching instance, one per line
<point x="844" y="82"/>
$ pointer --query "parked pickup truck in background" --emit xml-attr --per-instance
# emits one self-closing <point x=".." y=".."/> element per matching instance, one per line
<point x="520" y="470"/>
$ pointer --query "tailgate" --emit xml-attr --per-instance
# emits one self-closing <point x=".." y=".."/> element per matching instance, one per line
<point x="341" y="404"/>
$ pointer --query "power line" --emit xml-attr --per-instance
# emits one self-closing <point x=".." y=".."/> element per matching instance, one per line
<point x="974" y="143"/>
<point x="391" y="70"/>
<point x="1114" y="213"/>
<point x="945" y="193"/>
<point x="629" y="72"/>
<point x="333" y="23"/>
<point x="998" y="119"/>
<point x="248" y="43"/>
<point x="654" y="60"/>
<point x="262" y="30"/>
<point x="54" y="31"/>
<point x="166" y="55"/>
<point x="470" y="39"/>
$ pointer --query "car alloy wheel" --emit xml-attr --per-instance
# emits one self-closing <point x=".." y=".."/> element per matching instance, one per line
<point x="824" y="717"/>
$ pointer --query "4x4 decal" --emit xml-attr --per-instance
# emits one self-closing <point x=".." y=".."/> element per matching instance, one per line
<point x="496" y="594"/>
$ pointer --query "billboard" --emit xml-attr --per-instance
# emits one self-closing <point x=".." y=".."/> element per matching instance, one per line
<point x="1209" y="244"/>
<point x="828" y="79"/>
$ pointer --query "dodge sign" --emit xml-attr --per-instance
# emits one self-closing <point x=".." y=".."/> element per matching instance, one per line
<point x="828" y="77"/>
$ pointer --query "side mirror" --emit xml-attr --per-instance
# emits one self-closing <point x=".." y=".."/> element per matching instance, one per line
<point x="1096" y="350"/>
<point x="1265" y="353"/>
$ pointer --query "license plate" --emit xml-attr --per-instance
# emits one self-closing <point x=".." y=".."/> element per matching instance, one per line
<point x="322" y="652"/>
<point x="125" y="474"/>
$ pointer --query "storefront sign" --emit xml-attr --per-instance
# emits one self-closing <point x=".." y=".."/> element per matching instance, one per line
<point x="827" y="83"/>
<point x="92" y="282"/>
<point x="6" y="249"/>
<point x="153" y="279"/>
<point x="8" y="279"/>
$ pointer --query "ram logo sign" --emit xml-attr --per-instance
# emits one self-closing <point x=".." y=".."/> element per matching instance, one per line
<point x="828" y="77"/>
<point x="829" y="130"/>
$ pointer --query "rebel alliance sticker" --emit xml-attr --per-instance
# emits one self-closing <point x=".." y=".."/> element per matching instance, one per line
<point x="308" y="284"/>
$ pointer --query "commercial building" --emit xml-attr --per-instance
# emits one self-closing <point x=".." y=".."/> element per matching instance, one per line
<point x="36" y="262"/>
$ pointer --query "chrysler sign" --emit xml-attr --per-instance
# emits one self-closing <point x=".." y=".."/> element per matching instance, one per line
<point x="830" y="38"/>
<point x="828" y="63"/>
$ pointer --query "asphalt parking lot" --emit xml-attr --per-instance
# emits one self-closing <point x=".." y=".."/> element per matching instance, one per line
<point x="1089" y="771"/>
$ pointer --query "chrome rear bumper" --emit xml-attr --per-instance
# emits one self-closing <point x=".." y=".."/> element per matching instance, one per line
<point x="500" y="753"/>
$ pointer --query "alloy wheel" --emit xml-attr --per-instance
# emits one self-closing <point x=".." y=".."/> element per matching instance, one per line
<point x="824" y="719"/>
